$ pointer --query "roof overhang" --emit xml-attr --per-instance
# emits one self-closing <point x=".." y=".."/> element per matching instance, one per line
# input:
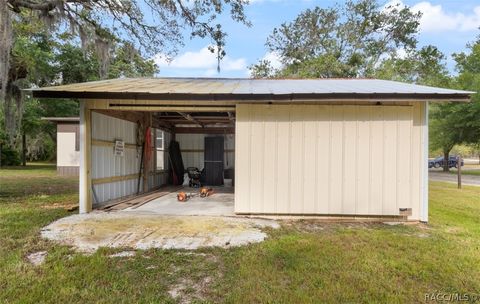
<point x="62" y="119"/>
<point x="254" y="98"/>
<point x="232" y="91"/>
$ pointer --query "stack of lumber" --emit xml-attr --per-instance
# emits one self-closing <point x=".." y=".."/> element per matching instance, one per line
<point x="139" y="200"/>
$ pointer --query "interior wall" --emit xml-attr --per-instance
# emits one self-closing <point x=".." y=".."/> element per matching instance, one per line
<point x="117" y="176"/>
<point x="193" y="147"/>
<point x="329" y="159"/>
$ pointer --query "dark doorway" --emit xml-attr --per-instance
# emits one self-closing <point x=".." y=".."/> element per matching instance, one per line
<point x="214" y="152"/>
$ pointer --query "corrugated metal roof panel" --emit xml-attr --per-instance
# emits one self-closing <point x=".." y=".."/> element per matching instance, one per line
<point x="239" y="86"/>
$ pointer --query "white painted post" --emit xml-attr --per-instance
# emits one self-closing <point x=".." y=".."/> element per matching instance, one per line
<point x="85" y="200"/>
<point x="424" y="216"/>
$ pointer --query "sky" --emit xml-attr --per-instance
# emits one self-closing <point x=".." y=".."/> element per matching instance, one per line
<point x="447" y="24"/>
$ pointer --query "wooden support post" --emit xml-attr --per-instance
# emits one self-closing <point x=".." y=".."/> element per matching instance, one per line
<point x="147" y="160"/>
<point x="459" y="172"/>
<point x="85" y="185"/>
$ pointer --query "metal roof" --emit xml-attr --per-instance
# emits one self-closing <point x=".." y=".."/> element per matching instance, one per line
<point x="239" y="89"/>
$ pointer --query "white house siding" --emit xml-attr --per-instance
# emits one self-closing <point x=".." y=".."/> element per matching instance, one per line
<point x="105" y="164"/>
<point x="66" y="154"/>
<point x="193" y="147"/>
<point x="329" y="159"/>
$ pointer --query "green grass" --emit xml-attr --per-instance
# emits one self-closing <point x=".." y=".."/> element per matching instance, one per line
<point x="303" y="262"/>
<point x="466" y="172"/>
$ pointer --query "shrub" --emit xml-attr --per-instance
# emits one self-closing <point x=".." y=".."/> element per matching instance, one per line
<point x="10" y="157"/>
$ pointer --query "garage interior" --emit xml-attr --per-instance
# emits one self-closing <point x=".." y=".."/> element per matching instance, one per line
<point x="204" y="148"/>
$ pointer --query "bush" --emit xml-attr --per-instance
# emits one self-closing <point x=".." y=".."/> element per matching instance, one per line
<point x="10" y="157"/>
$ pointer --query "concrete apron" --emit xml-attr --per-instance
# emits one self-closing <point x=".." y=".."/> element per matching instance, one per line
<point x="140" y="230"/>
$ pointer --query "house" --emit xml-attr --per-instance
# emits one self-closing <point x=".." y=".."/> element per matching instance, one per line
<point x="68" y="144"/>
<point x="346" y="148"/>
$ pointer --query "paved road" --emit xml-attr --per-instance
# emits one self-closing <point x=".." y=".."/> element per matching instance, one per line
<point x="472" y="180"/>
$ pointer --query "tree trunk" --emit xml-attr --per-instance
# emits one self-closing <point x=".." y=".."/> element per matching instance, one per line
<point x="24" y="149"/>
<point x="445" y="161"/>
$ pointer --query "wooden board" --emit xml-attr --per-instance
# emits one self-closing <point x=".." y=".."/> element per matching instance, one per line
<point x="139" y="200"/>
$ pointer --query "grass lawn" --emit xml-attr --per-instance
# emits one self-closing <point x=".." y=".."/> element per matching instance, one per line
<point x="303" y="262"/>
<point x="466" y="172"/>
<point x="468" y="169"/>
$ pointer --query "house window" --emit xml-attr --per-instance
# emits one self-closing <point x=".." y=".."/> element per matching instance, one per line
<point x="159" y="147"/>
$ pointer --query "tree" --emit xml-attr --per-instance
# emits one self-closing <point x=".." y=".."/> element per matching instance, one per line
<point x="342" y="41"/>
<point x="101" y="26"/>
<point x="30" y="64"/>
<point x="426" y="66"/>
<point x="71" y="64"/>
<point x="446" y="129"/>
<point x="454" y="123"/>
<point x="107" y="21"/>
<point x="468" y="66"/>
<point x="262" y="69"/>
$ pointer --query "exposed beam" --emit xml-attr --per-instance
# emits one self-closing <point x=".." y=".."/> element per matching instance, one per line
<point x="189" y="117"/>
<point x="204" y="122"/>
<point x="210" y="130"/>
<point x="135" y="116"/>
<point x="172" y="108"/>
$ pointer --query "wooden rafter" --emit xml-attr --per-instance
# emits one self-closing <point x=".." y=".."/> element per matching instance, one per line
<point x="190" y="118"/>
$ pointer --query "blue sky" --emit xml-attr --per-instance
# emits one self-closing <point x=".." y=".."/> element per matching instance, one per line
<point x="447" y="24"/>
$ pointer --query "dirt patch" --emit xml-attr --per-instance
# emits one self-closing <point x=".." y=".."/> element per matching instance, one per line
<point x="188" y="291"/>
<point x="88" y="232"/>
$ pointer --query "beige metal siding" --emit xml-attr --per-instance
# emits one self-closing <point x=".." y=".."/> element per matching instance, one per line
<point x="329" y="159"/>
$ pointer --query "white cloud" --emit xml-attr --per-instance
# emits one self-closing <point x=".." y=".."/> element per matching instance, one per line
<point x="401" y="53"/>
<point x="203" y="60"/>
<point x="436" y="19"/>
<point x="274" y="58"/>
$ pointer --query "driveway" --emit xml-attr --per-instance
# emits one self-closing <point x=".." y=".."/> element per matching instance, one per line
<point x="470" y="180"/>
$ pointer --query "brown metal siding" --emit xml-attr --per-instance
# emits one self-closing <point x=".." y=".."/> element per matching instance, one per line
<point x="68" y="171"/>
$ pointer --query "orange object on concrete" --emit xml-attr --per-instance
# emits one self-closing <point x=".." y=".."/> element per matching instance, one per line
<point x="204" y="192"/>
<point x="182" y="197"/>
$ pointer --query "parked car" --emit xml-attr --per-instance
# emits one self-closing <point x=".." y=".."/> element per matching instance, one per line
<point x="438" y="162"/>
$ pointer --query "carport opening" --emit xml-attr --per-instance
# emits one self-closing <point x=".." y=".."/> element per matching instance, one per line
<point x="190" y="150"/>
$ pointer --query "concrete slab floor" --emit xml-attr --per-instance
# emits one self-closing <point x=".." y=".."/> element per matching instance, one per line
<point x="137" y="230"/>
<point x="220" y="203"/>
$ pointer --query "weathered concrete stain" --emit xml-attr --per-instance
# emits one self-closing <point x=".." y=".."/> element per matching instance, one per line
<point x="88" y="232"/>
